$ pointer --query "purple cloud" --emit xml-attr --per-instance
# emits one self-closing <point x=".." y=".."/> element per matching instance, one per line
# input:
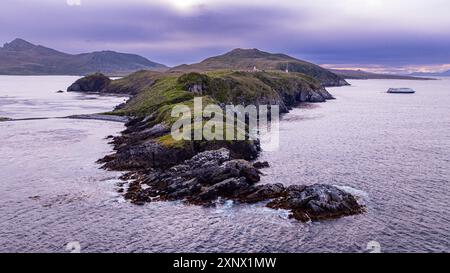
<point x="187" y="31"/>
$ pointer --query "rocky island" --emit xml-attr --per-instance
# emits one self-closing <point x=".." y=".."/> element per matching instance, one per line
<point x="92" y="83"/>
<point x="202" y="172"/>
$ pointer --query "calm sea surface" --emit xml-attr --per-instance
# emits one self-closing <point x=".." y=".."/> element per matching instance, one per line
<point x="390" y="150"/>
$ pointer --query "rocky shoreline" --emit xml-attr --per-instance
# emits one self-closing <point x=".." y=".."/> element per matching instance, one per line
<point x="211" y="175"/>
<point x="204" y="177"/>
<point x="202" y="172"/>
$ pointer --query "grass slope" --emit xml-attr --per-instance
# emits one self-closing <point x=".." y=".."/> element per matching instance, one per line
<point x="134" y="83"/>
<point x="247" y="59"/>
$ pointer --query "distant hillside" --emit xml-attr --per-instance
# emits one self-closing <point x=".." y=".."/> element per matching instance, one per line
<point x="248" y="59"/>
<point x="363" y="75"/>
<point x="24" y="58"/>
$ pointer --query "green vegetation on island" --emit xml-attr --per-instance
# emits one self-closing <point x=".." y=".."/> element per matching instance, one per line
<point x="155" y="103"/>
<point x="257" y="60"/>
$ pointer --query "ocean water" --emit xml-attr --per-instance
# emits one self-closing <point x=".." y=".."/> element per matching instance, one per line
<point x="37" y="97"/>
<point x="390" y="150"/>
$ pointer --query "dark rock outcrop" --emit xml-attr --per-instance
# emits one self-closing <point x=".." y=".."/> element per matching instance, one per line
<point x="261" y="165"/>
<point x="317" y="202"/>
<point x="93" y="83"/>
<point x="144" y="155"/>
<point x="311" y="95"/>
<point x="210" y="175"/>
<point x="201" y="179"/>
<point x="261" y="193"/>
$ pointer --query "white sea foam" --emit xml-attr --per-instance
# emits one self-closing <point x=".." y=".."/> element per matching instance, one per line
<point x="224" y="206"/>
<point x="361" y="196"/>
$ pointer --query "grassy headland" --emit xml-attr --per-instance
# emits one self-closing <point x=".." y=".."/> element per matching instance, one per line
<point x="250" y="59"/>
<point x="202" y="171"/>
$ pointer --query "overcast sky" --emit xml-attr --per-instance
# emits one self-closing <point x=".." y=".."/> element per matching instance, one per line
<point x="398" y="34"/>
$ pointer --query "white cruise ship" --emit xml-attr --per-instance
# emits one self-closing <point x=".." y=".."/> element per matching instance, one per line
<point x="401" y="91"/>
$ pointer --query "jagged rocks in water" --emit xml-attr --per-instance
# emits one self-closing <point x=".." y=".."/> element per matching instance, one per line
<point x="261" y="165"/>
<point x="215" y="174"/>
<point x="93" y="83"/>
<point x="265" y="192"/>
<point x="317" y="202"/>
<point x="201" y="179"/>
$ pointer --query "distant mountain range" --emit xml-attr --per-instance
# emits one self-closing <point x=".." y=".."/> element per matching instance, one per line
<point x="363" y="75"/>
<point x="432" y="74"/>
<point x="254" y="59"/>
<point x="20" y="57"/>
